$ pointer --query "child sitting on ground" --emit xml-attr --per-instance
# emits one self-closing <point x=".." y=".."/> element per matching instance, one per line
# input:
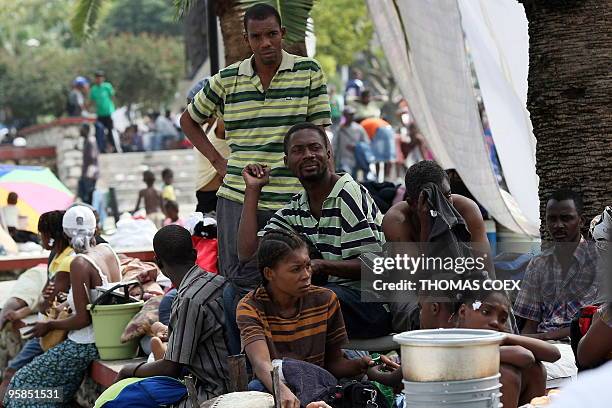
<point x="11" y="213"/>
<point x="523" y="376"/>
<point x="152" y="200"/>
<point x="171" y="209"/>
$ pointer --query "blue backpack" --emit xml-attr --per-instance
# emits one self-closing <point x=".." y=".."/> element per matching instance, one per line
<point x="151" y="392"/>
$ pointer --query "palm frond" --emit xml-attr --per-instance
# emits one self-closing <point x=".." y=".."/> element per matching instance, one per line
<point x="294" y="15"/>
<point x="182" y="7"/>
<point x="85" y="18"/>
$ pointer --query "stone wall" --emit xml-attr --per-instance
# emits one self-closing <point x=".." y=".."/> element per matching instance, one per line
<point x="123" y="171"/>
<point x="64" y="135"/>
<point x="50" y="162"/>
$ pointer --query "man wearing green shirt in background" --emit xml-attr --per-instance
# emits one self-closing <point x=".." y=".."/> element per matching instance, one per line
<point x="101" y="94"/>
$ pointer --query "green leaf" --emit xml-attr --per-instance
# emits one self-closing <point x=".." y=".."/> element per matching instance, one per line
<point x="343" y="29"/>
<point x="182" y="7"/>
<point x="85" y="17"/>
<point x="294" y="16"/>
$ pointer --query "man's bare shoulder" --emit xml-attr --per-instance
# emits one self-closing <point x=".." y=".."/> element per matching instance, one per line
<point x="469" y="211"/>
<point x="396" y="225"/>
<point x="398" y="212"/>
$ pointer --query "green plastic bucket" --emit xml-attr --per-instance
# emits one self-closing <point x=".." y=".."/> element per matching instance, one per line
<point x="109" y="321"/>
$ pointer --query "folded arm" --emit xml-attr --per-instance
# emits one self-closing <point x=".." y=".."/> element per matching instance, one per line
<point x="542" y="351"/>
<point x="530" y="330"/>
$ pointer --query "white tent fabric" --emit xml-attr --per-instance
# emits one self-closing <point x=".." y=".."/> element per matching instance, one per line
<point x="496" y="33"/>
<point x="424" y="44"/>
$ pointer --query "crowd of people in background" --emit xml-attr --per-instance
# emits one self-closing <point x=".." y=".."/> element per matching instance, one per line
<point x="366" y="144"/>
<point x="298" y="217"/>
<point x="158" y="131"/>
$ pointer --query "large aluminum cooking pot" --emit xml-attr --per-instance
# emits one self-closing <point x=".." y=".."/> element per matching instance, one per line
<point x="449" y="354"/>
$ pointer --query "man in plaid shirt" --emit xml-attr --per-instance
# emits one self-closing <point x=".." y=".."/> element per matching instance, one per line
<point x="563" y="278"/>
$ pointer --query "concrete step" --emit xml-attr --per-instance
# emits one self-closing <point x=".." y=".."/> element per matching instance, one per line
<point x="124" y="172"/>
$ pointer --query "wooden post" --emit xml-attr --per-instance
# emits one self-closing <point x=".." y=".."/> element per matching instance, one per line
<point x="237" y="373"/>
<point x="276" y="386"/>
<point x="191" y="391"/>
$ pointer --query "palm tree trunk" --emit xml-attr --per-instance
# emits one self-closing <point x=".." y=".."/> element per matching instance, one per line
<point x="296" y="48"/>
<point x="196" y="38"/>
<point x="230" y="18"/>
<point x="569" y="99"/>
<point x="232" y="28"/>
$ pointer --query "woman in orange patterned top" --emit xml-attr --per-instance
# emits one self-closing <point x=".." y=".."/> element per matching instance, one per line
<point x="287" y="317"/>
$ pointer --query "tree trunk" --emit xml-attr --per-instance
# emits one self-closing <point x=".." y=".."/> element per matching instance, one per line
<point x="196" y="38"/>
<point x="232" y="28"/>
<point x="296" y="48"/>
<point x="230" y="18"/>
<point x="569" y="99"/>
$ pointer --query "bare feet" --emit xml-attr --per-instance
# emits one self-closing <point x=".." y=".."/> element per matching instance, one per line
<point x="158" y="348"/>
<point x="160" y="330"/>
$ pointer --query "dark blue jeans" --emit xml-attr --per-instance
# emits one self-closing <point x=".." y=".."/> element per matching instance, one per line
<point x="363" y="157"/>
<point x="362" y="320"/>
<point x="86" y="189"/>
<point x="231" y="297"/>
<point x="256" y="385"/>
<point x="165" y="307"/>
<point x="30" y="350"/>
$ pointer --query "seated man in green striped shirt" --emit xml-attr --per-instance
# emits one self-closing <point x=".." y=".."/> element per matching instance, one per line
<point x="258" y="99"/>
<point x="335" y="213"/>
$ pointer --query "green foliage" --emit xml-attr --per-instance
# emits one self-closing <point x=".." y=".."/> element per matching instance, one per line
<point x="35" y="82"/>
<point x="140" y="16"/>
<point x="294" y="15"/>
<point x="182" y="7"/>
<point x="143" y="69"/>
<point x="42" y="21"/>
<point x="343" y="29"/>
<point x="85" y="18"/>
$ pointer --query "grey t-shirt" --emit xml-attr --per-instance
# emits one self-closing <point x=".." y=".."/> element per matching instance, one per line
<point x="348" y="136"/>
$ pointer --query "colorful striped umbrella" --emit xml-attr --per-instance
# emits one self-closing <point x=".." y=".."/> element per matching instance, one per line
<point x="38" y="189"/>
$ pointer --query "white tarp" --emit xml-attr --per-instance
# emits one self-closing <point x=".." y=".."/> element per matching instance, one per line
<point x="424" y="44"/>
<point x="496" y="33"/>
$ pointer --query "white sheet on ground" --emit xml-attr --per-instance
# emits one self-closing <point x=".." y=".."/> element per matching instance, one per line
<point x="133" y="233"/>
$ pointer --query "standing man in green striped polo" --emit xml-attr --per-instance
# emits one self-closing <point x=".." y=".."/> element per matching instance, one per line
<point x="258" y="99"/>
